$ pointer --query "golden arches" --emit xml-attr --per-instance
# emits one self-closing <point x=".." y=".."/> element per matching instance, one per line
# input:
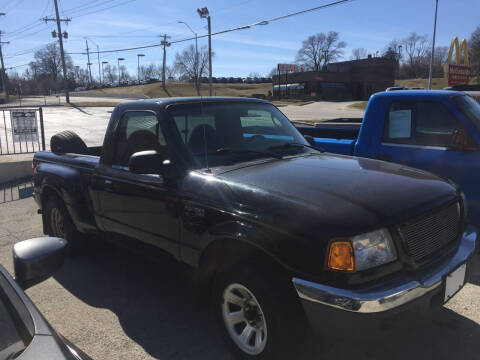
<point x="459" y="48"/>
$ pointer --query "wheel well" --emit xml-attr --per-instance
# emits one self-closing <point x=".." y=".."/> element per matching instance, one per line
<point x="225" y="254"/>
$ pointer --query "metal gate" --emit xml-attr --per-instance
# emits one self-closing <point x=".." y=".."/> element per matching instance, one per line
<point x="21" y="131"/>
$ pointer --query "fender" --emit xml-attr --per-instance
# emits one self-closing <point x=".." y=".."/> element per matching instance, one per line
<point x="66" y="183"/>
<point x="282" y="249"/>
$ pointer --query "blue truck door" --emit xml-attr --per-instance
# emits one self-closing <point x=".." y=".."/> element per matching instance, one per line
<point x="420" y="134"/>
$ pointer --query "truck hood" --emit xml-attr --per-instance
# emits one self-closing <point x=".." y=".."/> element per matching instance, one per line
<point x="328" y="193"/>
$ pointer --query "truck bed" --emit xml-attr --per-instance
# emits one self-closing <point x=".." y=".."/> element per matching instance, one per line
<point x="336" y="135"/>
<point x="87" y="161"/>
<point x="334" y="129"/>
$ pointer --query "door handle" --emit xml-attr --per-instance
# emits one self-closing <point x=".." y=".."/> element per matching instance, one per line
<point x="108" y="185"/>
<point x="384" y="157"/>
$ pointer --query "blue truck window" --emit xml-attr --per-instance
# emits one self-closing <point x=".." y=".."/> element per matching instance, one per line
<point x="420" y="123"/>
<point x="469" y="107"/>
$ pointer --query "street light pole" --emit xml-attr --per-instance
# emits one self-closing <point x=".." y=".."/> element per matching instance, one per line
<point x="204" y="13"/>
<point x="197" y="75"/>
<point x="433" y="47"/>
<point x="118" y="62"/>
<point x="138" y="66"/>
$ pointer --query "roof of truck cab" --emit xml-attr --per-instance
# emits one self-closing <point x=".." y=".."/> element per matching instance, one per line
<point x="163" y="102"/>
<point x="417" y="93"/>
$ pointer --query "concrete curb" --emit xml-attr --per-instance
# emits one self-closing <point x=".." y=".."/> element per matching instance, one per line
<point x="15" y="170"/>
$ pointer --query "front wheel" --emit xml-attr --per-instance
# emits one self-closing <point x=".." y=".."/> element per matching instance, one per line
<point x="59" y="223"/>
<point x="259" y="314"/>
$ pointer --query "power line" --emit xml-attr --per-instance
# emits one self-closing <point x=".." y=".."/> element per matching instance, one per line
<point x="262" y="22"/>
<point x="103" y="9"/>
<point x="17" y="66"/>
<point x="30" y="25"/>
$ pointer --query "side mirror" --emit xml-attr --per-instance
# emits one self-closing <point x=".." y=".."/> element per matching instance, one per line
<point x="35" y="260"/>
<point x="462" y="141"/>
<point x="146" y="162"/>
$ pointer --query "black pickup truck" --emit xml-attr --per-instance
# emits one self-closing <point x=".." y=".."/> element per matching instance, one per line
<point x="278" y="232"/>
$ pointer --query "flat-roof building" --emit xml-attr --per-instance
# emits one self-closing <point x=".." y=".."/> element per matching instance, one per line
<point x="346" y="80"/>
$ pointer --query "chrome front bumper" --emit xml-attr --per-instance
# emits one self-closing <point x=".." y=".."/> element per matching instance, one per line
<point x="392" y="294"/>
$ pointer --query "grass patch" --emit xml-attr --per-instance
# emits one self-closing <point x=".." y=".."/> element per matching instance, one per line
<point x="437" y="83"/>
<point x="173" y="89"/>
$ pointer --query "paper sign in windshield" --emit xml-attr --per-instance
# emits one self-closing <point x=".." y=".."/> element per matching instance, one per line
<point x="24" y="125"/>
<point x="400" y="124"/>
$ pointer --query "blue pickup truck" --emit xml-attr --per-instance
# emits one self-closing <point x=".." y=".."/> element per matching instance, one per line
<point x="437" y="131"/>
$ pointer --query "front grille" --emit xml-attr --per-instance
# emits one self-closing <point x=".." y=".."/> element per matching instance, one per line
<point x="430" y="233"/>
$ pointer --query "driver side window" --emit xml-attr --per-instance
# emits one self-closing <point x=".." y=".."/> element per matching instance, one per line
<point x="138" y="131"/>
<point x="425" y="123"/>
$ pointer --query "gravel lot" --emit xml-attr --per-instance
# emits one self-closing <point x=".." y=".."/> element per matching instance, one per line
<point x="115" y="305"/>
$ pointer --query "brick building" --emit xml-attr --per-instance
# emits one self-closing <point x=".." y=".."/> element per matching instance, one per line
<point x="346" y="80"/>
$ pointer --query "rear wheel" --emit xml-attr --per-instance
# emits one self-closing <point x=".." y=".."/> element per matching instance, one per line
<point x="259" y="314"/>
<point x="59" y="223"/>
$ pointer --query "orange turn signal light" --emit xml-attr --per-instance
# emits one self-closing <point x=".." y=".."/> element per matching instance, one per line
<point x="341" y="256"/>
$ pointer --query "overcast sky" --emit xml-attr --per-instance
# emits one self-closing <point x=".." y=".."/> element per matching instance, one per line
<point x="369" y="24"/>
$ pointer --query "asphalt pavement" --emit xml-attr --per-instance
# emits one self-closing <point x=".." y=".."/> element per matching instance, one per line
<point x="117" y="305"/>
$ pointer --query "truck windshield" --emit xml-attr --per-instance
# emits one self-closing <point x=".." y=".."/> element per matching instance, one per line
<point x="222" y="133"/>
<point x="469" y="107"/>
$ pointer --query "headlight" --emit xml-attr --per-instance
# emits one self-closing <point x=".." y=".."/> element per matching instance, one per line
<point x="373" y="249"/>
<point x="362" y="252"/>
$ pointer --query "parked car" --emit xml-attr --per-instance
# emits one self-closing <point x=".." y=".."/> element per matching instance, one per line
<point x="276" y="232"/>
<point x="437" y="131"/>
<point x="25" y="334"/>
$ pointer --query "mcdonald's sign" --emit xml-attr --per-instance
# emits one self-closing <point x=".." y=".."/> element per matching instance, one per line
<point x="458" y="73"/>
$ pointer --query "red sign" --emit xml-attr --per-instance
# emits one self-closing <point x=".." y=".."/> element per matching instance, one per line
<point x="458" y="74"/>
<point x="287" y="67"/>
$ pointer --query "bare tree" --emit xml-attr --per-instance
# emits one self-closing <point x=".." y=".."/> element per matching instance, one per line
<point x="475" y="52"/>
<point x="124" y="75"/>
<point x="110" y="73"/>
<point x="151" y="71"/>
<point x="416" y="49"/>
<point x="359" y="53"/>
<point x="320" y="49"/>
<point x="188" y="67"/>
<point x="82" y="77"/>
<point x="47" y="62"/>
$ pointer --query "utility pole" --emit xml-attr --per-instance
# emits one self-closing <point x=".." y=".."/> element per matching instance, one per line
<point x="98" y="59"/>
<point x="89" y="63"/>
<point x="60" y="40"/>
<point x="430" y="74"/>
<point x="4" y="77"/>
<point x="165" y="44"/>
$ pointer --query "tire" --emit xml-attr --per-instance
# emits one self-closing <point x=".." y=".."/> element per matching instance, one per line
<point x="272" y="314"/>
<point x="60" y="224"/>
<point x="67" y="142"/>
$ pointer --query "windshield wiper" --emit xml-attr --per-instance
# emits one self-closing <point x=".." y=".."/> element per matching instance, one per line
<point x="290" y="145"/>
<point x="240" y="150"/>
